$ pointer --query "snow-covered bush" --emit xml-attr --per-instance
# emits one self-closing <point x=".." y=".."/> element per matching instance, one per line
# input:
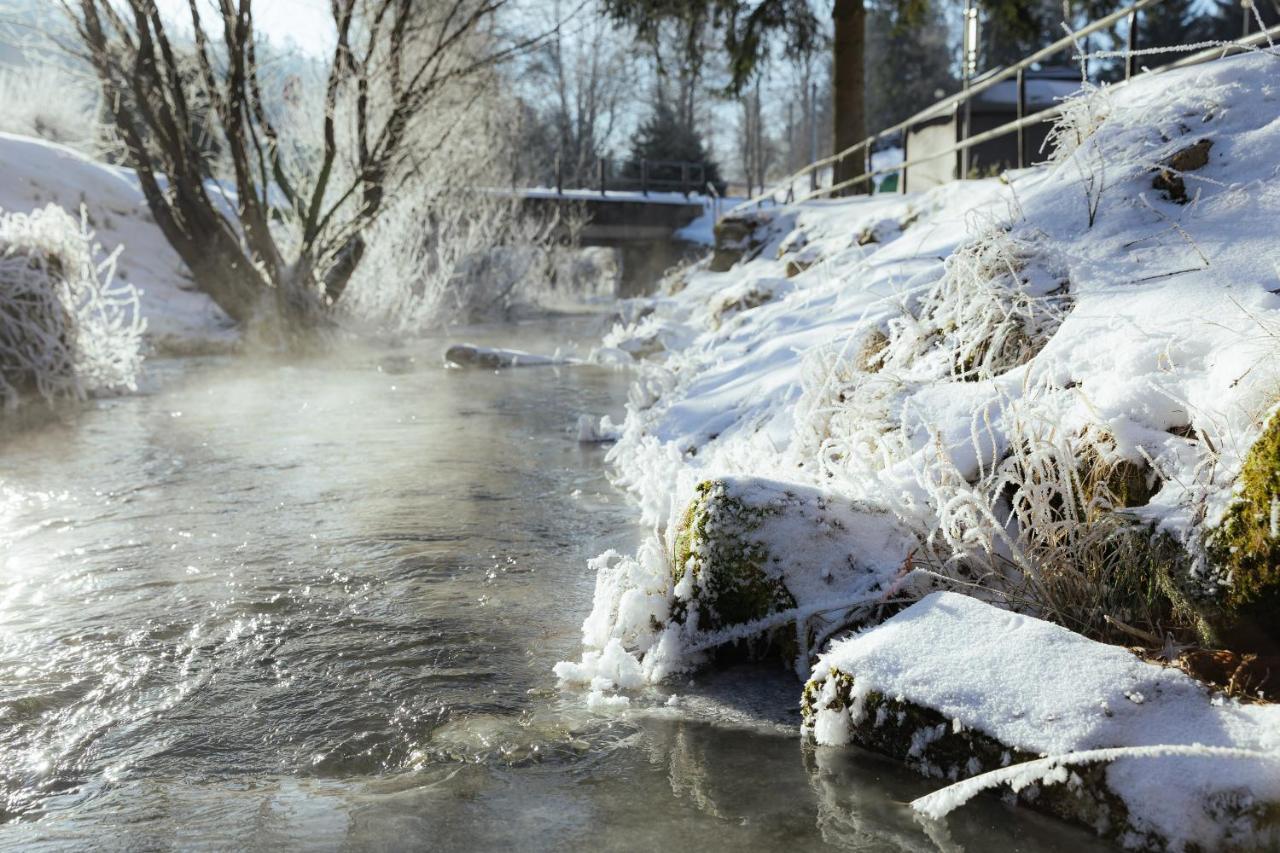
<point x="53" y="103"/>
<point x="443" y="260"/>
<point x="67" y="328"/>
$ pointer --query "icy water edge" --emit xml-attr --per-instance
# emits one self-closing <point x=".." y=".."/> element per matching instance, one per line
<point x="315" y="606"/>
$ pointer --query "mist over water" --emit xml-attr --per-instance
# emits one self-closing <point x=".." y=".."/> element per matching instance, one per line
<point x="315" y="605"/>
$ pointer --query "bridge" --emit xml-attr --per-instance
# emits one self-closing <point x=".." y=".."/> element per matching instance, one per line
<point x="646" y="227"/>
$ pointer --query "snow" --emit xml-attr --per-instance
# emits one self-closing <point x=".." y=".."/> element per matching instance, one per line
<point x="38" y="173"/>
<point x="1043" y="689"/>
<point x="614" y="195"/>
<point x="702" y="230"/>
<point x="597" y="431"/>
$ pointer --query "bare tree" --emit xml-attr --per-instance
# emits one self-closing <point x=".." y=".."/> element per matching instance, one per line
<point x="755" y="148"/>
<point x="284" y="241"/>
<point x="588" y="72"/>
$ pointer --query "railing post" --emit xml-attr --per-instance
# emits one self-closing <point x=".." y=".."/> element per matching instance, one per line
<point x="1022" y="109"/>
<point x="1131" y="44"/>
<point x="684" y="179"/>
<point x="813" y="135"/>
<point x="602" y="171"/>
<point x="559" y="173"/>
<point x="870" y="182"/>
<point x="644" y="177"/>
<point x="1246" y="6"/>
<point x="906" y="158"/>
<point x="969" y="67"/>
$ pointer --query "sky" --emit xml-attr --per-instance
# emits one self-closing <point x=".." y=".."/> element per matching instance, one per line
<point x="307" y="23"/>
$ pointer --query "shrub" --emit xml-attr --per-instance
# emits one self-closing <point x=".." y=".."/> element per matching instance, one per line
<point x="67" y="329"/>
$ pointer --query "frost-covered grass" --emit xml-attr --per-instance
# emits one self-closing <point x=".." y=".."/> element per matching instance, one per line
<point x="54" y="103"/>
<point x="67" y="327"/>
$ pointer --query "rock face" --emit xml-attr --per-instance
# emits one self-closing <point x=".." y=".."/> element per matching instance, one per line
<point x="1245" y="549"/>
<point x="1169" y="178"/>
<point x="739" y="236"/>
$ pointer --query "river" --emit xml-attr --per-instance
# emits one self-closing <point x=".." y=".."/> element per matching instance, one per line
<point x="315" y="605"/>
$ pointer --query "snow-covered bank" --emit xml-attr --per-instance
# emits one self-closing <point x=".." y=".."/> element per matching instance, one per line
<point x="179" y="318"/>
<point x="1041" y="389"/>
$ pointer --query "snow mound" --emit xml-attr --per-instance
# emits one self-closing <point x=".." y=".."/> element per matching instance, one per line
<point x="37" y="173"/>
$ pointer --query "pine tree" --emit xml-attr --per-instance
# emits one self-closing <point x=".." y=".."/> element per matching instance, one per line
<point x="909" y="66"/>
<point x="665" y="137"/>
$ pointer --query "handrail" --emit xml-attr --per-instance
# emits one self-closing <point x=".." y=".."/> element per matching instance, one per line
<point x="952" y="102"/>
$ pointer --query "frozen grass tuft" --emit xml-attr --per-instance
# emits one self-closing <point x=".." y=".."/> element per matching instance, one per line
<point x="67" y="328"/>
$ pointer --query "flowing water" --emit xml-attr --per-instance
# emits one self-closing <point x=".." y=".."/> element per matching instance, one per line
<point x="316" y="605"/>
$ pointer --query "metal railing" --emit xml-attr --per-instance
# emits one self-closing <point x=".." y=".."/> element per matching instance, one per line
<point x="964" y="98"/>
<point x="673" y="176"/>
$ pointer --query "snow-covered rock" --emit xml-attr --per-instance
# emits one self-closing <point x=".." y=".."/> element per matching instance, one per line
<point x="956" y="688"/>
<point x="494" y="358"/>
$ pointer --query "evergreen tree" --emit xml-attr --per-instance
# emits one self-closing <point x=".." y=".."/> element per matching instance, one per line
<point x="664" y="137"/>
<point x="909" y="65"/>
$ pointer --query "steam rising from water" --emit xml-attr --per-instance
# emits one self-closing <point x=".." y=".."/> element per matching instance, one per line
<point x="305" y="606"/>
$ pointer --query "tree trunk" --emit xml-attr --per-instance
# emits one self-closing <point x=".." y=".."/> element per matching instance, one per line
<point x="850" y="115"/>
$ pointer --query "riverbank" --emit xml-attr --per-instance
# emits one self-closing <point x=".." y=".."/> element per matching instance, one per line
<point x="1041" y="390"/>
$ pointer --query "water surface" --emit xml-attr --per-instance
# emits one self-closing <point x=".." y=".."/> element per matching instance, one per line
<point x="315" y="606"/>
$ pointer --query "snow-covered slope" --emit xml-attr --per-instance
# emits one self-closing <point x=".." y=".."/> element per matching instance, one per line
<point x="1168" y="312"/>
<point x="1144" y="323"/>
<point x="984" y="365"/>
<point x="179" y="318"/>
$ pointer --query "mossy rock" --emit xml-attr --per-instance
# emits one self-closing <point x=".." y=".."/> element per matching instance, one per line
<point x="1244" y="550"/>
<point x="734" y="578"/>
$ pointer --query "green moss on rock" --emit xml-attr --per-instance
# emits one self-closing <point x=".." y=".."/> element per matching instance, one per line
<point x="733" y="579"/>
<point x="1245" y="548"/>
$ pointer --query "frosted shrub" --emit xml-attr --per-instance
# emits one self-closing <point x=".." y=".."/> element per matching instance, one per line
<point x="54" y="104"/>
<point x="998" y="303"/>
<point x="450" y="260"/>
<point x="67" y="329"/>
